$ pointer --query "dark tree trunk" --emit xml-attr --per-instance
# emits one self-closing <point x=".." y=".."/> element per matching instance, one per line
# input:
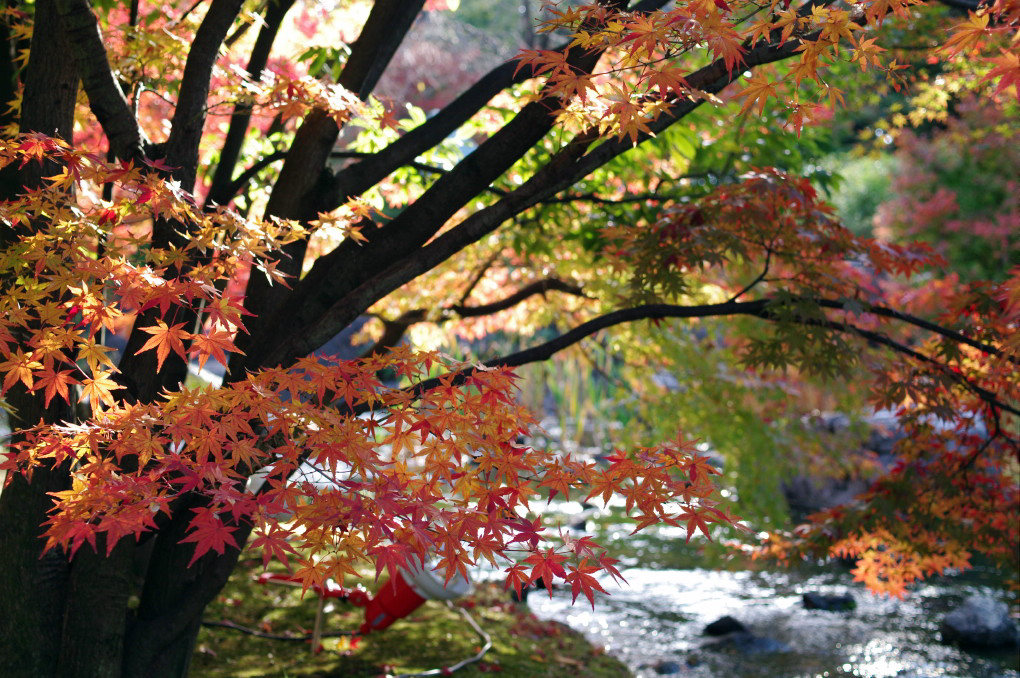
<point x="32" y="588"/>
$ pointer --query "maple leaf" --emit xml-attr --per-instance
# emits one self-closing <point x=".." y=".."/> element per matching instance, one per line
<point x="274" y="544"/>
<point x="216" y="343"/>
<point x="1007" y="69"/>
<point x="19" y="367"/>
<point x="517" y="578"/>
<point x="695" y="521"/>
<point x="968" y="35"/>
<point x="528" y="531"/>
<point x="165" y="339"/>
<point x="391" y="558"/>
<point x="546" y="565"/>
<point x="97" y="389"/>
<point x="208" y="533"/>
<point x="758" y="90"/>
<point x="581" y="580"/>
<point x="55" y="382"/>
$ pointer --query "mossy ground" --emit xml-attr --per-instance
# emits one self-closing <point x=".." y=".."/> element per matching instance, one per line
<point x="432" y="637"/>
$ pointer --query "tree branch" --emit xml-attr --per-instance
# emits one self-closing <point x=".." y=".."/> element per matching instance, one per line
<point x="298" y="190"/>
<point x="393" y="330"/>
<point x="221" y="188"/>
<point x="326" y="300"/>
<point x="350" y="265"/>
<point x="923" y="324"/>
<point x="529" y="290"/>
<point x="761" y="276"/>
<point x="190" y="112"/>
<point x="757" y="309"/>
<point x="359" y="177"/>
<point x="106" y="100"/>
<point x="371" y="53"/>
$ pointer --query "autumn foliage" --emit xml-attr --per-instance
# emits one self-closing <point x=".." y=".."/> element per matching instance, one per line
<point x="125" y="214"/>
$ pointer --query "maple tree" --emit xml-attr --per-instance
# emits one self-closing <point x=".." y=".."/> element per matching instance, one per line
<point x="176" y="182"/>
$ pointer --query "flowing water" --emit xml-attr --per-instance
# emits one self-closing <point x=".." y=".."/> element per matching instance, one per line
<point x="660" y="615"/>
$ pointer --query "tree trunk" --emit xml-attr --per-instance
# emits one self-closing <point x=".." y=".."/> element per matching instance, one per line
<point x="32" y="589"/>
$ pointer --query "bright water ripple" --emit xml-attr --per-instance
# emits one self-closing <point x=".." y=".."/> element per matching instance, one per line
<point x="660" y="615"/>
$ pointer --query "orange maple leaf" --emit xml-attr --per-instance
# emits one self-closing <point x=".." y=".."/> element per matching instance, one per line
<point x="164" y="339"/>
<point x="217" y="343"/>
<point x="98" y="388"/>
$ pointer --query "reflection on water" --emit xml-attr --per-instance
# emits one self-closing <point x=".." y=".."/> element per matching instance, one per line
<point x="660" y="616"/>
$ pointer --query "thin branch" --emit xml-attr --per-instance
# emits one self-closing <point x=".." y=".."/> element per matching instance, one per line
<point x="761" y="276"/>
<point x="586" y="329"/>
<point x="888" y="342"/>
<point x="923" y="324"/>
<point x="231" y="191"/>
<point x="421" y="166"/>
<point x="758" y="309"/>
<point x="537" y="287"/>
<point x="631" y="198"/>
<point x="394" y="330"/>
<point x="186" y="13"/>
<point x="248" y="174"/>
<point x="479" y="274"/>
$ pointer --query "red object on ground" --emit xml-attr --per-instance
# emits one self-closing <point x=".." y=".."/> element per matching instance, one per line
<point x="395" y="599"/>
<point x="329" y="589"/>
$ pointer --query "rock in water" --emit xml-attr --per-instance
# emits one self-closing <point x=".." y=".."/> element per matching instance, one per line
<point x="980" y="622"/>
<point x="838" y="603"/>
<point x="724" y="625"/>
<point x="666" y="668"/>
<point x="746" y="643"/>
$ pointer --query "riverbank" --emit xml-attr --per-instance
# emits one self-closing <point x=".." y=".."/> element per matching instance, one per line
<point x="432" y="637"/>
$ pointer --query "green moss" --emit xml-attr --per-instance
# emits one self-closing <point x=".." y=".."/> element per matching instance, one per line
<point x="432" y="637"/>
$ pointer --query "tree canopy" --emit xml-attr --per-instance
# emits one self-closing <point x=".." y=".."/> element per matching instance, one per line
<point x="227" y="184"/>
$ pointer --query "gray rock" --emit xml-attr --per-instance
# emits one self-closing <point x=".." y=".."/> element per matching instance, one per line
<point x="724" y="625"/>
<point x="980" y="622"/>
<point x="831" y="603"/>
<point x="749" y="644"/>
<point x="806" y="494"/>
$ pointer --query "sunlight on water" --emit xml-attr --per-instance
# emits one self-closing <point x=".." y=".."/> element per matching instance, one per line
<point x="659" y="617"/>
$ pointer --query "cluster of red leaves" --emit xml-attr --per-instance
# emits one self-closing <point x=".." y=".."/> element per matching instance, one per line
<point x="953" y="489"/>
<point x="649" y="55"/>
<point x="937" y="506"/>
<point x="82" y="268"/>
<point x="643" y="66"/>
<point x="771" y="219"/>
<point x="325" y="464"/>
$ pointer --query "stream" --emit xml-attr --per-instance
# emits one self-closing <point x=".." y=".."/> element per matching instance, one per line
<point x="659" y="617"/>
<point x="656" y="620"/>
